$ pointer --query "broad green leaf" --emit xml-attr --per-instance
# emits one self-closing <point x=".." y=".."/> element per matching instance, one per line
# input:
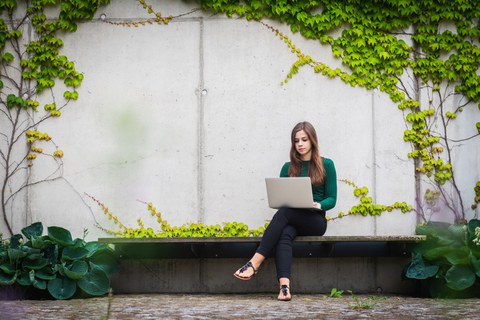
<point x="95" y="282"/>
<point x="417" y="269"/>
<point x="60" y="235"/>
<point x="15" y="241"/>
<point x="458" y="231"/>
<point x="35" y="229"/>
<point x="24" y="278"/>
<point x="35" y="264"/>
<point x="39" y="242"/>
<point x="45" y="274"/>
<point x="77" y="270"/>
<point x="438" y="252"/>
<point x="51" y="253"/>
<point x="95" y="246"/>
<point x="7" y="268"/>
<point x="62" y="288"/>
<point x="16" y="254"/>
<point x="458" y="256"/>
<point x="7" y="279"/>
<point x="105" y="261"/>
<point x="40" y="284"/>
<point x="74" y="253"/>
<point x="460" y="277"/>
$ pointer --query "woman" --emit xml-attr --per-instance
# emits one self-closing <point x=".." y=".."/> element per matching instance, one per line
<point x="287" y="223"/>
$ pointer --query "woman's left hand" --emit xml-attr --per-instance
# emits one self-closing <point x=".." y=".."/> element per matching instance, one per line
<point x="317" y="205"/>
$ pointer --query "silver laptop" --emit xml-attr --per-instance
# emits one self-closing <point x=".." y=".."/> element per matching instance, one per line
<point x="289" y="192"/>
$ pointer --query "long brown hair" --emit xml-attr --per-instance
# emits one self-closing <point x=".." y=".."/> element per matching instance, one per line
<point x="316" y="171"/>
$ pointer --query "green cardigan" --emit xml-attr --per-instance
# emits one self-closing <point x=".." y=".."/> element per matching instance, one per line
<point x="325" y="194"/>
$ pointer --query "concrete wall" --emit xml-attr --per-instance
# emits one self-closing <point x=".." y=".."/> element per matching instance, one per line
<point x="191" y="116"/>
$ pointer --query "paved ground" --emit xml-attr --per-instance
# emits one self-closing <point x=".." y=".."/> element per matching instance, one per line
<point x="251" y="306"/>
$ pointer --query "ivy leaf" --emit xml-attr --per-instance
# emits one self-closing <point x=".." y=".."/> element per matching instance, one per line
<point x="7" y="57"/>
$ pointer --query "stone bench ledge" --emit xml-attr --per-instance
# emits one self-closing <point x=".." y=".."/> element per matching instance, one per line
<point x="244" y="247"/>
<point x="327" y="239"/>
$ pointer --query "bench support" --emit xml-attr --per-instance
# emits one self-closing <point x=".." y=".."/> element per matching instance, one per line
<point x="206" y="265"/>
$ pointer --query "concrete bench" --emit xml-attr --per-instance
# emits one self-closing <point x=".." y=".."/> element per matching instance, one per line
<point x="363" y="264"/>
<point x="243" y="247"/>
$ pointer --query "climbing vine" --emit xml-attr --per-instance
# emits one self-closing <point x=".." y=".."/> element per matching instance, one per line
<point x="367" y="206"/>
<point x="30" y="67"/>
<point x="165" y="230"/>
<point x="423" y="54"/>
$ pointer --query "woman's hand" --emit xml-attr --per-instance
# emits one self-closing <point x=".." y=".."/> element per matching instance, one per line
<point x="317" y="205"/>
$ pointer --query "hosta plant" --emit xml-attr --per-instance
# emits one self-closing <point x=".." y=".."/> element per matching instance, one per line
<point x="449" y="260"/>
<point x="56" y="263"/>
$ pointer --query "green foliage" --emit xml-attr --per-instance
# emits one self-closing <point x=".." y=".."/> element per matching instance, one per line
<point x="188" y="230"/>
<point x="403" y="48"/>
<point x="334" y="293"/>
<point x="366" y="207"/>
<point x="32" y="65"/>
<point x="363" y="303"/>
<point x="449" y="259"/>
<point x="56" y="262"/>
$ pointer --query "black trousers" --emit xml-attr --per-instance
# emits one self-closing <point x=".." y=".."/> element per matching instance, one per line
<point x="286" y="224"/>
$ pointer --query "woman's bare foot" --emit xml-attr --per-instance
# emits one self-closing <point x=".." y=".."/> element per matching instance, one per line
<point x="246" y="272"/>
<point x="250" y="269"/>
<point x="284" y="294"/>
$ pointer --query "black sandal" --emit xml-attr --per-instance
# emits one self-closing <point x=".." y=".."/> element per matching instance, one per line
<point x="285" y="290"/>
<point x="245" y="268"/>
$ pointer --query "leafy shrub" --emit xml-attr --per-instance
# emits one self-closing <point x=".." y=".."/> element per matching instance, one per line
<point x="449" y="260"/>
<point x="56" y="263"/>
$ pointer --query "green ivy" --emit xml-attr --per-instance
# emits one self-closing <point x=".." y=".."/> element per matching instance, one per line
<point x="165" y="230"/>
<point x="30" y="70"/>
<point x="366" y="206"/>
<point x="383" y="44"/>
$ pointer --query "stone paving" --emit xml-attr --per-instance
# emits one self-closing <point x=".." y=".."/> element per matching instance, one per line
<point x="246" y="306"/>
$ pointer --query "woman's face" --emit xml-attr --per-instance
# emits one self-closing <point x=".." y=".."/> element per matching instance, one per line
<point x="303" y="145"/>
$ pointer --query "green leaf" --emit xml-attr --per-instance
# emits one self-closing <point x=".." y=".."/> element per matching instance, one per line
<point x="77" y="270"/>
<point x="15" y="241"/>
<point x="45" y="274"/>
<point x="95" y="246"/>
<point x="460" y="277"/>
<point x="74" y="253"/>
<point x="7" y="279"/>
<point x="417" y="269"/>
<point x="62" y="288"/>
<point x="7" y="57"/>
<point x="60" y="235"/>
<point x="104" y="261"/>
<point x="39" y="242"/>
<point x="15" y="254"/>
<point x="35" y="229"/>
<point x="95" y="282"/>
<point x="35" y="264"/>
<point x="7" y="268"/>
<point x="24" y="279"/>
<point x="458" y="231"/>
<point x="438" y="252"/>
<point x="40" y="284"/>
<point x="458" y="256"/>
